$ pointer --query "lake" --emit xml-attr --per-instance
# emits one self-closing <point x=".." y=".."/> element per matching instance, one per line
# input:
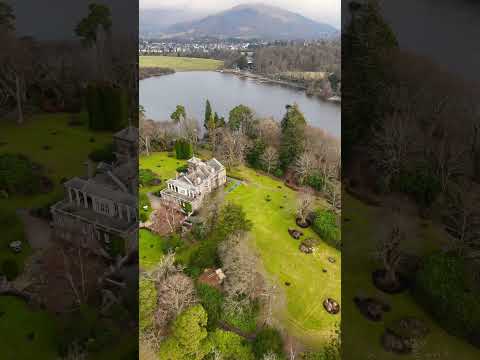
<point x="160" y="95"/>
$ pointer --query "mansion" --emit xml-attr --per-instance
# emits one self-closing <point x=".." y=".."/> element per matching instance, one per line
<point x="100" y="208"/>
<point x="199" y="180"/>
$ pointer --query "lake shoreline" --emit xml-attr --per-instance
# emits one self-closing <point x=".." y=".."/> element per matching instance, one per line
<point x="191" y="89"/>
<point x="267" y="80"/>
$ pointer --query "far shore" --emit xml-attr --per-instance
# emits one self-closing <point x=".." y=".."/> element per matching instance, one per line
<point x="267" y="80"/>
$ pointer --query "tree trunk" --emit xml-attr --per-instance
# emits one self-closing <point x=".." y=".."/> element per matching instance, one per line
<point x="19" y="99"/>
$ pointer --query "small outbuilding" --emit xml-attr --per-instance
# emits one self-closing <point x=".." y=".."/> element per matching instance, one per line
<point x="212" y="277"/>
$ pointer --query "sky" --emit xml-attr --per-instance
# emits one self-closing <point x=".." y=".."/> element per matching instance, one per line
<point x="56" y="19"/>
<point x="327" y="11"/>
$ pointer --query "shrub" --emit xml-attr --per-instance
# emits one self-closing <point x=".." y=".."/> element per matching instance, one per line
<point x="278" y="173"/>
<point x="182" y="168"/>
<point x="187" y="207"/>
<point x="19" y="175"/>
<point x="12" y="229"/>
<point x="316" y="181"/>
<point x="10" y="269"/>
<point x="116" y="246"/>
<point x="183" y="149"/>
<point x="171" y="243"/>
<point x="231" y="346"/>
<point x="107" y="107"/>
<point x="212" y="301"/>
<point x="441" y="289"/>
<point x="245" y="319"/>
<point x="325" y="225"/>
<point x="146" y="177"/>
<point x="105" y="154"/>
<point x="268" y="340"/>
<point x="144" y="201"/>
<point x="420" y="183"/>
<point x="254" y="154"/>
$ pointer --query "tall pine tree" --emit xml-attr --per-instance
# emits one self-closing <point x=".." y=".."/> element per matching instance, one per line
<point x="208" y="114"/>
<point x="292" y="141"/>
<point x="366" y="46"/>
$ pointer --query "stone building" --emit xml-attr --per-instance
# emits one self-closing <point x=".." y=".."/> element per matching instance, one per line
<point x="199" y="180"/>
<point x="99" y="210"/>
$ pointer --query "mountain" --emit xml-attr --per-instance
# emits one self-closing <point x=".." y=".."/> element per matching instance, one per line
<point x="253" y="21"/>
<point x="156" y="21"/>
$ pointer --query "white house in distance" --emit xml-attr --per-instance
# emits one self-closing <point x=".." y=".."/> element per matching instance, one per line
<point x="199" y="180"/>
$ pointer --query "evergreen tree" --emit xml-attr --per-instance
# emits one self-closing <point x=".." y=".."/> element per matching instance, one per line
<point x="366" y="45"/>
<point x="208" y="114"/>
<point x="292" y="140"/>
<point x="178" y="114"/>
<point x="189" y="337"/>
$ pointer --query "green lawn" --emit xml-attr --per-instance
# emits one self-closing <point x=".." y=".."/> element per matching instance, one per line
<point x="17" y="321"/>
<point x="302" y="311"/>
<point x="162" y="165"/>
<point x="303" y="314"/>
<point x="363" y="336"/>
<point x="69" y="148"/>
<point x="180" y="63"/>
<point x="150" y="249"/>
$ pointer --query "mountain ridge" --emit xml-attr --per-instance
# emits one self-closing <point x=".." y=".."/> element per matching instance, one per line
<point x="258" y="20"/>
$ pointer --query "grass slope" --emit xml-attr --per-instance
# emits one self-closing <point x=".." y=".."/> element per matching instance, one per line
<point x="69" y="148"/>
<point x="303" y="315"/>
<point x="17" y="321"/>
<point x="180" y="63"/>
<point x="362" y="336"/>
<point x="302" y="311"/>
<point x="150" y="249"/>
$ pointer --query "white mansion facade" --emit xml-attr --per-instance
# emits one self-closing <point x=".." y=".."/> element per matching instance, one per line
<point x="102" y="206"/>
<point x="199" y="180"/>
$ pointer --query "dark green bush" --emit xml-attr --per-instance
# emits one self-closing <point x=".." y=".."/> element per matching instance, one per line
<point x="268" y="340"/>
<point x="107" y="107"/>
<point x="19" y="175"/>
<point x="183" y="149"/>
<point x="171" y="243"/>
<point x="105" y="154"/>
<point x="245" y="320"/>
<point x="440" y="287"/>
<point x="10" y="269"/>
<point x="278" y="173"/>
<point x="146" y="177"/>
<point x="421" y="184"/>
<point x="116" y="246"/>
<point x="316" y="181"/>
<point x="325" y="225"/>
<point x="212" y="301"/>
<point x="182" y="168"/>
<point x="254" y="154"/>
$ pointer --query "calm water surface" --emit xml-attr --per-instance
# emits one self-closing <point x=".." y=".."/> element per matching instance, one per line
<point x="160" y="96"/>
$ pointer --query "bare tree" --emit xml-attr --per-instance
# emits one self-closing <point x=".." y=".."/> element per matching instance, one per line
<point x="388" y="252"/>
<point x="75" y="274"/>
<point x="304" y="166"/>
<point x="175" y="294"/>
<point x="16" y="66"/>
<point x="392" y="145"/>
<point x="270" y="158"/>
<point x="304" y="206"/>
<point x="239" y="266"/>
<point x="333" y="194"/>
<point x="462" y="221"/>
<point x="270" y="356"/>
<point x="231" y="147"/>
